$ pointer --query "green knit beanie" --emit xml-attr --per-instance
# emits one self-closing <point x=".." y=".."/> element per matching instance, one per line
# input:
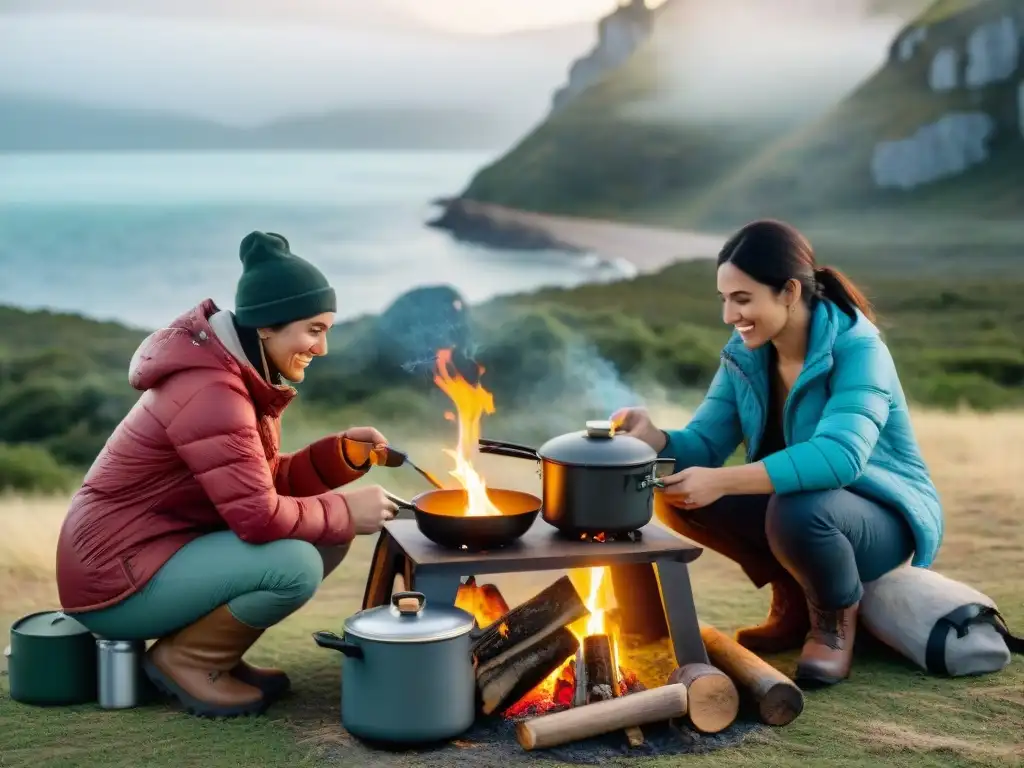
<point x="276" y="286"/>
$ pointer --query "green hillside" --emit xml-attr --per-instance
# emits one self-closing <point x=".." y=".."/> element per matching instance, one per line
<point x="599" y="158"/>
<point x="553" y="358"/>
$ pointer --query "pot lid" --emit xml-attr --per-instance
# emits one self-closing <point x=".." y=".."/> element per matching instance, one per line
<point x="597" y="446"/>
<point x="408" y="619"/>
<point x="49" y="624"/>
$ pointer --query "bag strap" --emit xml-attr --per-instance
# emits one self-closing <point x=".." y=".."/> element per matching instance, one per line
<point x="961" y="619"/>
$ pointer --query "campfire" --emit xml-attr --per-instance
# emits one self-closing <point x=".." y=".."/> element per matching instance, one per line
<point x="589" y="668"/>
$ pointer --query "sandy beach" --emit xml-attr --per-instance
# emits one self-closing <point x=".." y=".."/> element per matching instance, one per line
<point x="647" y="249"/>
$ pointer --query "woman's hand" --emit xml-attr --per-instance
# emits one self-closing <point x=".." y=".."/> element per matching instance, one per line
<point x="694" y="488"/>
<point x="364" y="444"/>
<point x="637" y="423"/>
<point x="369" y="508"/>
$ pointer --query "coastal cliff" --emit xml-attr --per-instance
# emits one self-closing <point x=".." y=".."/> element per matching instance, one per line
<point x="936" y="120"/>
<point x="619" y="34"/>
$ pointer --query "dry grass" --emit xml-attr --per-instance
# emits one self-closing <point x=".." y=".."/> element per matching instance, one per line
<point x="886" y="714"/>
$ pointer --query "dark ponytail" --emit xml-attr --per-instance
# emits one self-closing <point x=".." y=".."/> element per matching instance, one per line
<point x="773" y="253"/>
<point x="841" y="291"/>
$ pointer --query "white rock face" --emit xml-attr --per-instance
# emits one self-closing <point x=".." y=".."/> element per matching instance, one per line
<point x="993" y="53"/>
<point x="947" y="147"/>
<point x="945" y="70"/>
<point x="908" y="45"/>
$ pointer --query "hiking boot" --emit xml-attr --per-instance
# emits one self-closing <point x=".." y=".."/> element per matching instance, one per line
<point x="273" y="682"/>
<point x="828" y="652"/>
<point x="787" y="624"/>
<point x="194" y="664"/>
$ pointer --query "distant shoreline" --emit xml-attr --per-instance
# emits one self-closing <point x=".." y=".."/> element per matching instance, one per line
<point x="628" y="247"/>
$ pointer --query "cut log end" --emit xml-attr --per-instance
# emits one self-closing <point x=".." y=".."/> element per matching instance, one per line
<point x="714" y="701"/>
<point x="780" y="705"/>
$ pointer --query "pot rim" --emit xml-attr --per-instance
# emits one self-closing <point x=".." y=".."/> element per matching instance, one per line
<point x="588" y="465"/>
<point x="460" y="622"/>
<point x="450" y="635"/>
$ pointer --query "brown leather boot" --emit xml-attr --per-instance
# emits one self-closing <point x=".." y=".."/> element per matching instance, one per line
<point x="273" y="682"/>
<point x="194" y="665"/>
<point x="787" y="624"/>
<point x="828" y="652"/>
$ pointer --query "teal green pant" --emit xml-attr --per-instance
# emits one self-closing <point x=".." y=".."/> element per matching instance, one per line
<point x="261" y="585"/>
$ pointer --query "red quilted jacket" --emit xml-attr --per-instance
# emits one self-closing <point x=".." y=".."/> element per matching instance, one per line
<point x="199" y="452"/>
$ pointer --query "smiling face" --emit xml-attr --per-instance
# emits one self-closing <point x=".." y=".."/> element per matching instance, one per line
<point x="292" y="348"/>
<point x="754" y="309"/>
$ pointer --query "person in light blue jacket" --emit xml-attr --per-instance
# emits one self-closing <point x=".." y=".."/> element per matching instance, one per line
<point x="834" y="491"/>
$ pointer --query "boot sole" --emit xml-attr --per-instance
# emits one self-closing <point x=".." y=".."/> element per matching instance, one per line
<point x="193" y="705"/>
<point x="806" y="678"/>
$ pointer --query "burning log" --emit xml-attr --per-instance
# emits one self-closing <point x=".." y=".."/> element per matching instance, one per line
<point x="778" y="699"/>
<point x="597" y="678"/>
<point x="652" y="706"/>
<point x="546" y="612"/>
<point x="713" y="702"/>
<point x="510" y="675"/>
<point x="597" y="661"/>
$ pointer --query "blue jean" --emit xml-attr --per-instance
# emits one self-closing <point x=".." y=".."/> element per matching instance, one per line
<point x="830" y="542"/>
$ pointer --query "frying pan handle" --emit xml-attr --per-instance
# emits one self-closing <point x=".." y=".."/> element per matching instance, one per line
<point x="402" y="504"/>
<point x="514" y="453"/>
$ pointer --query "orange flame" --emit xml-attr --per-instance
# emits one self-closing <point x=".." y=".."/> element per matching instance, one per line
<point x="471" y="402"/>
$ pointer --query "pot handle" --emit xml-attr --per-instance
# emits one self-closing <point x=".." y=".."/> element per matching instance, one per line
<point x="409" y="603"/>
<point x="335" y="643"/>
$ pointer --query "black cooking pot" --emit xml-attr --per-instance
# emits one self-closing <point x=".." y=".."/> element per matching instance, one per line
<point x="594" y="481"/>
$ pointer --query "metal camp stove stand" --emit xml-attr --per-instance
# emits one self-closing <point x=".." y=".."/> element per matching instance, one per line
<point x="650" y="576"/>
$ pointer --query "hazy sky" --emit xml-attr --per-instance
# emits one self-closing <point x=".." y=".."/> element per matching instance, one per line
<point x="505" y="15"/>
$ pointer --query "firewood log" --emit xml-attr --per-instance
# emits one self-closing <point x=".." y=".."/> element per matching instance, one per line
<point x="549" y="610"/>
<point x="637" y="709"/>
<point x="507" y="678"/>
<point x="713" y="702"/>
<point x="777" y="698"/>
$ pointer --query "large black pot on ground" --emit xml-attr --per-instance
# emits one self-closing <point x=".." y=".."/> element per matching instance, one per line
<point x="52" y="661"/>
<point x="407" y="675"/>
<point x="594" y="481"/>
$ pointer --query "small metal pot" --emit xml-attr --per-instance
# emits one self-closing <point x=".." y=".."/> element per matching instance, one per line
<point x="52" y="661"/>
<point x="407" y="675"/>
<point x="594" y="481"/>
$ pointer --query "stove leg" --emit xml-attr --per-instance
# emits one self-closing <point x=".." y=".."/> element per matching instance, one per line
<point x="437" y="586"/>
<point x="388" y="561"/>
<point x="677" y="599"/>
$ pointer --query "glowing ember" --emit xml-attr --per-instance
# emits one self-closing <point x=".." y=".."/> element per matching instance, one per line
<point x="471" y="401"/>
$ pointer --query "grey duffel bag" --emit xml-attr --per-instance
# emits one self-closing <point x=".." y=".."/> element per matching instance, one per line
<point x="944" y="626"/>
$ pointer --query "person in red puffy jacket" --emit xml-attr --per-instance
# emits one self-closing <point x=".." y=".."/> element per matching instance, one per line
<point x="191" y="527"/>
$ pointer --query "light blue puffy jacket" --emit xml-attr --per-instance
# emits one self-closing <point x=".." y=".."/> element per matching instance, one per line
<point x="845" y="421"/>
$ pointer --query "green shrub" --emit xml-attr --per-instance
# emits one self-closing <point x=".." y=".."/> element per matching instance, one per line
<point x="28" y="468"/>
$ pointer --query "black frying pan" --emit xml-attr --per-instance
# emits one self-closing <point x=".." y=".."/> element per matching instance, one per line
<point x="441" y="517"/>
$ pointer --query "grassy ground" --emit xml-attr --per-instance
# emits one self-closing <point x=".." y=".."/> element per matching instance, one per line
<point x="887" y="713"/>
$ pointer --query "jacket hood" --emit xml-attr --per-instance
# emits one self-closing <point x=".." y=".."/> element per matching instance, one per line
<point x="190" y="343"/>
